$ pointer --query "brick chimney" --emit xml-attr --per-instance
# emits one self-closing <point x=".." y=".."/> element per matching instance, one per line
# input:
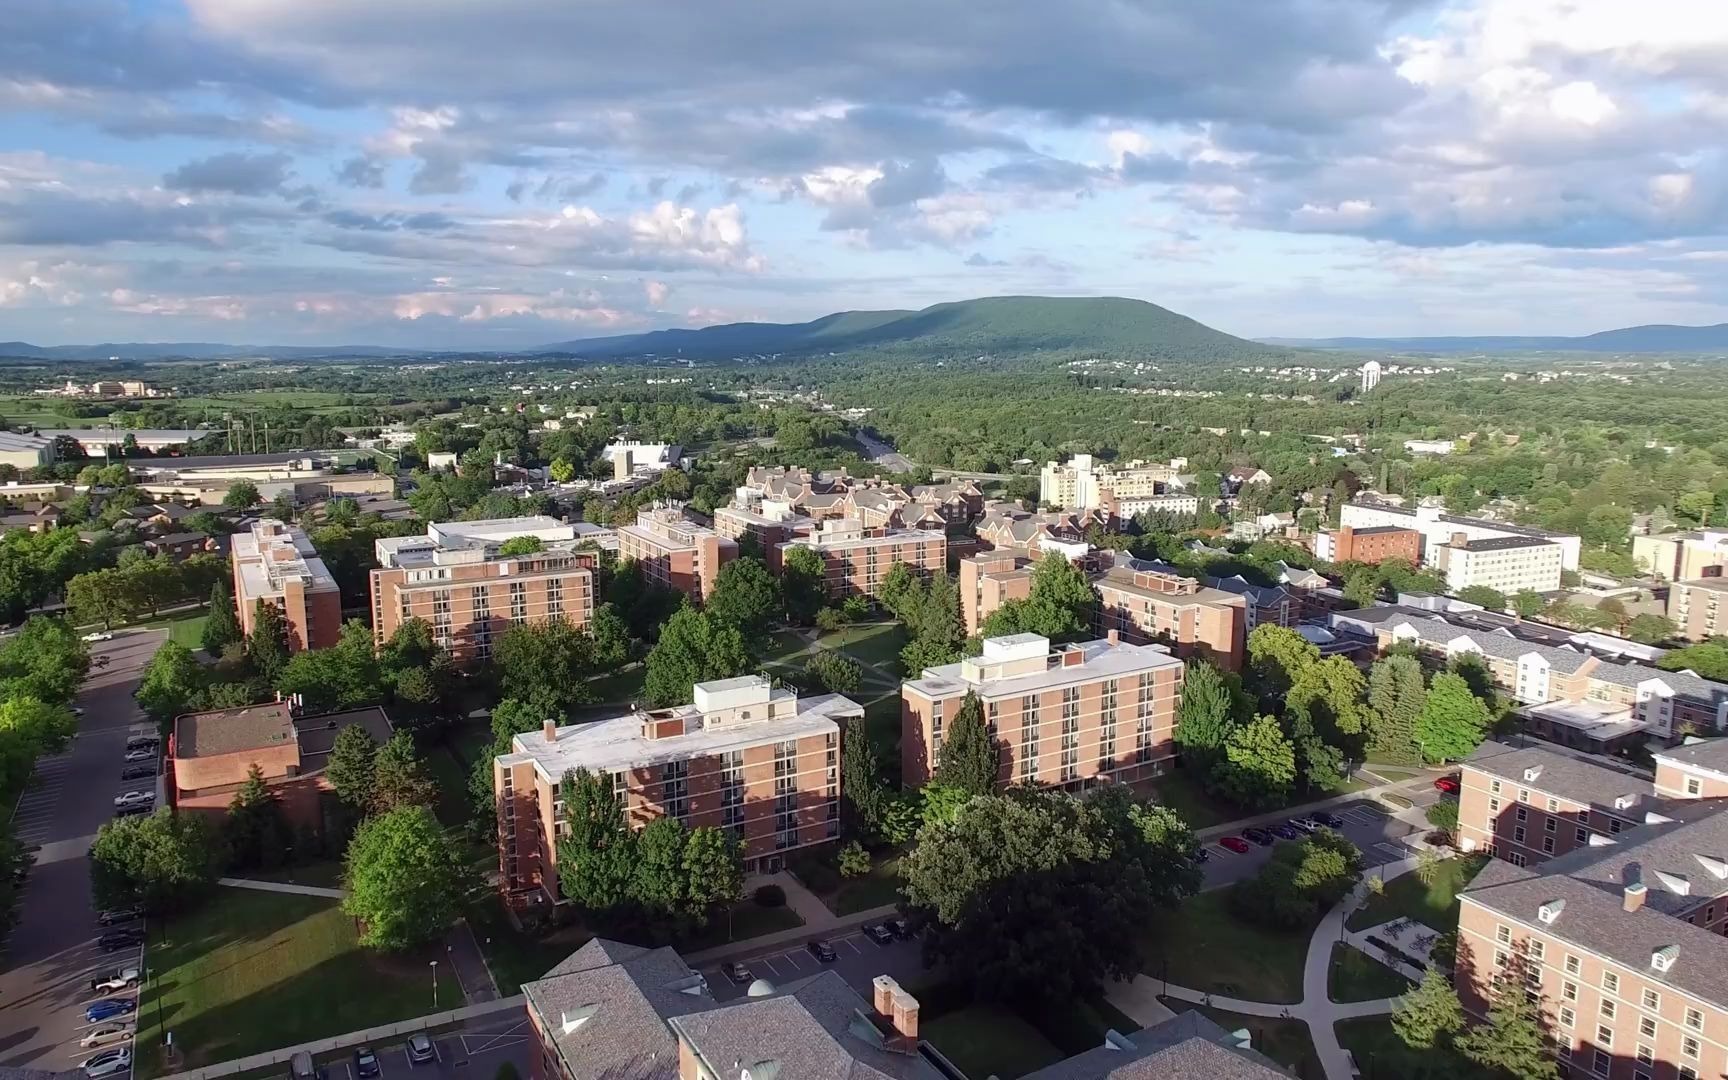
<point x="549" y="730"/>
<point x="896" y="1006"/>
<point x="1632" y="898"/>
<point x="1460" y="540"/>
<point x="1113" y="636"/>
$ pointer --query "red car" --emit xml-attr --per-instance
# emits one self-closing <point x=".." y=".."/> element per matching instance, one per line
<point x="1235" y="843"/>
<point x="1448" y="784"/>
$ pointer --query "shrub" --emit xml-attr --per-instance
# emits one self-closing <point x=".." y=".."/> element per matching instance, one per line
<point x="769" y="896"/>
<point x="854" y="860"/>
<point x="506" y="1071"/>
<point x="830" y="619"/>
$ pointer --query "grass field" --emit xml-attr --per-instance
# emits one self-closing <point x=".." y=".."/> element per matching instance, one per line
<point x="881" y="886"/>
<point x="1356" y="976"/>
<point x="1181" y="791"/>
<point x="515" y="957"/>
<point x="1435" y="905"/>
<point x="875" y="645"/>
<point x="188" y="630"/>
<point x="985" y="1040"/>
<point x="252" y="971"/>
<point x="1382" y="1055"/>
<point x="1285" y="1041"/>
<point x="1201" y="945"/>
<point x="748" y="919"/>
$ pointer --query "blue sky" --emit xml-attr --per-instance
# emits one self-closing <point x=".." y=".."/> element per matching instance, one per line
<point x="454" y="173"/>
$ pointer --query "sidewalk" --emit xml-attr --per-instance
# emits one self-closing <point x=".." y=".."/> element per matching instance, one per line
<point x="819" y="922"/>
<point x="281" y="887"/>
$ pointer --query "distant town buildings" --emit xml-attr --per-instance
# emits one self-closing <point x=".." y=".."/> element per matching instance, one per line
<point x="1430" y="446"/>
<point x="1085" y="483"/>
<point x="457" y="579"/>
<point x="1372" y="545"/>
<point x="1681" y="556"/>
<point x="1507" y="564"/>
<point x="1696" y="607"/>
<point x="675" y="552"/>
<point x="274" y="563"/>
<point x="107" y="442"/>
<point x="633" y="458"/>
<point x="742" y="755"/>
<point x="114" y="388"/>
<point x="1439" y="528"/>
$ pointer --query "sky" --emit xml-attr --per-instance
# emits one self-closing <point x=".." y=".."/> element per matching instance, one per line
<point x="507" y="173"/>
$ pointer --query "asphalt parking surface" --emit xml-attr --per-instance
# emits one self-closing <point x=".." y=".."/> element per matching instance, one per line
<point x="51" y="955"/>
<point x="857" y="959"/>
<point x="1367" y="824"/>
<point x="474" y="1051"/>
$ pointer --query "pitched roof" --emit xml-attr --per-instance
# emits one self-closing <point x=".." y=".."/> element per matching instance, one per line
<point x="1186" y="1046"/>
<point x="605" y="1009"/>
<point x="1565" y="776"/>
<point x="1709" y="754"/>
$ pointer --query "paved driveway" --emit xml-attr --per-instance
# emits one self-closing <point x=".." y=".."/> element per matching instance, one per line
<point x="858" y="960"/>
<point x="51" y="955"/>
<point x="472" y="1052"/>
<point x="1367" y="824"/>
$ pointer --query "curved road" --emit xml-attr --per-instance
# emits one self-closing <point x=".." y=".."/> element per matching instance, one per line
<point x="50" y="956"/>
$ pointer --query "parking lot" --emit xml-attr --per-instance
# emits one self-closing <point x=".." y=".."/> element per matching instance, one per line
<point x="857" y="959"/>
<point x="52" y="954"/>
<point x="475" y="1050"/>
<point x="1367" y="824"/>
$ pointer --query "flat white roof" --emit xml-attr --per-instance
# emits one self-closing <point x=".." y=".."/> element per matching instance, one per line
<point x="618" y="743"/>
<point x="498" y="530"/>
<point x="1102" y="661"/>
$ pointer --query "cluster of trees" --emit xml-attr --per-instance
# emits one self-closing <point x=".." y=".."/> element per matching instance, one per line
<point x="1511" y="1041"/>
<point x="929" y="609"/>
<point x="1060" y="606"/>
<point x="663" y="879"/>
<point x="1708" y="658"/>
<point x="1297" y="720"/>
<point x="1301" y="881"/>
<point x="35" y="567"/>
<point x="1071" y="881"/>
<point x="141" y="585"/>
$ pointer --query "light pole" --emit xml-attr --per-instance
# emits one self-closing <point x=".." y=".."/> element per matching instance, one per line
<point x="434" y="985"/>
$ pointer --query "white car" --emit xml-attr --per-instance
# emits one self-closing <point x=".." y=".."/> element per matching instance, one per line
<point x="124" y="979"/>
<point x="108" y="1062"/>
<point x="105" y="1034"/>
<point x="99" y="635"/>
<point x="141" y="754"/>
<point x="135" y="798"/>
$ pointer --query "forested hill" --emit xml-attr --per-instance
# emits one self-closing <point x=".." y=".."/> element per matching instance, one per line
<point x="1654" y="338"/>
<point x="1002" y="325"/>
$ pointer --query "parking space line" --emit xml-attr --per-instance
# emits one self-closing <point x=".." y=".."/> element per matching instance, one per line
<point x="792" y="958"/>
<point x="767" y="963"/>
<point x="856" y="951"/>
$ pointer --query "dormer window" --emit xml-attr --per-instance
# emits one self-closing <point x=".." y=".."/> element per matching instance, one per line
<point x="1532" y="772"/>
<point x="1621" y="802"/>
<point x="1663" y="959"/>
<point x="1550" y="911"/>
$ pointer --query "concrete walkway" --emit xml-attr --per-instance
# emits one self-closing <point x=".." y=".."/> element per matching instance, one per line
<point x="1138" y="999"/>
<point x="280" y="887"/>
<point x="819" y="922"/>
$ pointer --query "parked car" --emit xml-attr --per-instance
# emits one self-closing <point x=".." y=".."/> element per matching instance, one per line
<point x="1234" y="843"/>
<point x="1259" y="836"/>
<point x="902" y="929"/>
<point x="1286" y="831"/>
<point x="135" y="810"/>
<point x="420" y="1048"/>
<point x="99" y="635"/>
<point x="366" y="1062"/>
<point x="104" y="1035"/>
<point x="77" y="710"/>
<point x="108" y="1009"/>
<point x="120" y="939"/>
<point x="823" y="951"/>
<point x="738" y="973"/>
<point x="138" y="772"/>
<point x="143" y="742"/>
<point x="108" y="1062"/>
<point x="118" y="916"/>
<point x="1448" y="784"/>
<point x="1202" y="855"/>
<point x="141" y="755"/>
<point x="124" y="979"/>
<point x="134" y="798"/>
<point x="879" y="933"/>
<point x="1307" y="825"/>
<point x="1328" y="819"/>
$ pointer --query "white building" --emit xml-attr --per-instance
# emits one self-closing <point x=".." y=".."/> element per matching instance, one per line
<point x="642" y="457"/>
<point x="1429" y="446"/>
<point x="1439" y="528"/>
<point x="1083" y="482"/>
<point x="1507" y="564"/>
<point x="1370" y="375"/>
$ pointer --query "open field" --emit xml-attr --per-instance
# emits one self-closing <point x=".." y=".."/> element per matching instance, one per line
<point x="986" y="1040"/>
<point x="1203" y="946"/>
<point x="1435" y="905"/>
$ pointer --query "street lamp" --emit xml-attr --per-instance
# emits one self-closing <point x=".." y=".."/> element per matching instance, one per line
<point x="434" y="984"/>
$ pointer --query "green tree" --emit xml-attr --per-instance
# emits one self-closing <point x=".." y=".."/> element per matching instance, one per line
<point x="1651" y="629"/>
<point x="1709" y="659"/>
<point x="1300" y="881"/>
<point x="832" y="671"/>
<point x="1443" y="815"/>
<point x="399" y="777"/>
<point x="353" y="765"/>
<point x="344" y="676"/>
<point x="164" y="862"/>
<point x="1395" y="696"/>
<point x="171" y="682"/>
<point x="1061" y="602"/>
<point x="900" y="593"/>
<point x="267" y="644"/>
<point x="44" y="660"/>
<point x="939" y="804"/>
<point x="1483" y="596"/>
<point x="41" y="727"/>
<point x="255" y="831"/>
<point x="561" y="471"/>
<point x="521" y="545"/>
<point x="222" y="627"/>
<point x="1329" y="694"/>
<point x="611" y="638"/>
<point x="864" y="797"/>
<point x="241" y="495"/>
<point x="657" y="876"/>
<point x="597" y="851"/>
<point x="1276" y="656"/>
<point x="1528" y="603"/>
<point x="405" y="881"/>
<point x="510" y="717"/>
<point x="1512" y="1042"/>
<point x="923" y="652"/>
<point x="1206" y="716"/>
<point x="547" y="663"/>
<point x="854" y="860"/>
<point x="968" y="758"/>
<point x="1470" y="667"/>
<point x="104" y="596"/>
<point x="1362" y="588"/>
<point x="744" y="596"/>
<point x="802" y="588"/>
<point x="1259" y="765"/>
<point x="1429" y="1013"/>
<point x="713" y="872"/>
<point x="693" y="648"/>
<point x="1453" y="720"/>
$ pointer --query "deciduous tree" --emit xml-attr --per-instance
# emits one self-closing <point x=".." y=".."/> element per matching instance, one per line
<point x="171" y="682"/>
<point x="802" y="588"/>
<point x="405" y="881"/>
<point x="1259" y="765"/>
<point x="1453" y="720"/>
<point x="596" y="853"/>
<point x="713" y="872"/>
<point x="693" y="648"/>
<point x="241" y="495"/>
<point x="745" y="595"/>
<point x="1276" y="656"/>
<point x="164" y="862"/>
<point x="547" y="663"/>
<point x="832" y="671"/>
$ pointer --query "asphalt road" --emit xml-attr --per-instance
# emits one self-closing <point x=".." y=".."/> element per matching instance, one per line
<point x="884" y="455"/>
<point x="51" y="955"/>
<point x="472" y="1052"/>
<point x="858" y="959"/>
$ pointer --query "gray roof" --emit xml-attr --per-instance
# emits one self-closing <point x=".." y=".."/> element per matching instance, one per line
<point x="1188" y="1045"/>
<point x="1502" y="543"/>
<point x="1709" y="754"/>
<point x="1565" y="776"/>
<point x="1496" y="643"/>
<point x="815" y="1029"/>
<point x="1591" y="882"/>
<point x="1684" y="683"/>
<point x="605" y="1008"/>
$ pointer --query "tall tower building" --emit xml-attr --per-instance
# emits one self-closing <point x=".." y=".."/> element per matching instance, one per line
<point x="1370" y="375"/>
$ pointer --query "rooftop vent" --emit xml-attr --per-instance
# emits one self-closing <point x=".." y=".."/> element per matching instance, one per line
<point x="1718" y="868"/>
<point x="1621" y="802"/>
<point x="1551" y="910"/>
<point x="573" y="1019"/>
<point x="1663" y="959"/>
<point x="1675" y="883"/>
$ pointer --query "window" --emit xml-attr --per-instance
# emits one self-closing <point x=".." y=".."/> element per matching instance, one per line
<point x="1614" y="825"/>
<point x="1523" y="813"/>
<point x="1583" y="836"/>
<point x="1553" y="806"/>
<point x="1569" y="991"/>
<point x="1518" y="834"/>
<point x="1503" y="934"/>
<point x="1523" y="795"/>
<point x="1652" y="1000"/>
<point x="1567" y="1016"/>
<point x="1494" y="787"/>
<point x="1693" y="786"/>
<point x="1548" y="824"/>
<point x="1604" y="1036"/>
<point x="1493" y="806"/>
<point x="1610" y="982"/>
<point x="1538" y="949"/>
<point x="1646" y="1056"/>
<point x="1500" y="958"/>
<point x="1547" y="845"/>
<point x="1687" y="1072"/>
<point x="1600" y="1062"/>
<point x="1694" y="1019"/>
<point x="1607" y="1010"/>
<point x="1647" y="1027"/>
<point x="1689" y="1046"/>
<point x="1571" y="964"/>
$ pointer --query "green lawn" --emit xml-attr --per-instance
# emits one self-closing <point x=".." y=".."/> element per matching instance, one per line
<point x="1201" y="945"/>
<point x="875" y="645"/>
<point x="1392" y="773"/>
<point x="986" y="1040"/>
<point x="189" y="630"/>
<point x="620" y="687"/>
<point x="1182" y="793"/>
<point x="1382" y="1055"/>
<point x="252" y="971"/>
<point x="882" y="721"/>
<point x="1435" y="905"/>
<point x="1285" y="1041"/>
<point x="516" y="957"/>
<point x="454" y="807"/>
<point x="881" y="886"/>
<point x="1356" y="976"/>
<point x="323" y="875"/>
<point x="748" y="920"/>
<point x="784" y="646"/>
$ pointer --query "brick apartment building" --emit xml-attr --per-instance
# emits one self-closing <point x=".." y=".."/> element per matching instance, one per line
<point x="1066" y="715"/>
<point x="1439" y="528"/>
<point x="1372" y="545"/>
<point x="456" y="580"/>
<point x="1696" y="607"/>
<point x="274" y="562"/>
<point x="769" y="524"/>
<point x="1145" y="605"/>
<point x="1507" y="564"/>
<point x="210" y="754"/>
<point x="987" y="581"/>
<point x="675" y="552"/>
<point x="1527" y="804"/>
<point x="856" y="558"/>
<point x="615" y="1010"/>
<point x="743" y="755"/>
<point x="1623" y="931"/>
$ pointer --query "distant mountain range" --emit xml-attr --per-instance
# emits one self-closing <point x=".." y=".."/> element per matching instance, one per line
<point x="1002" y="325"/>
<point x="1654" y="338"/>
<point x="996" y="325"/>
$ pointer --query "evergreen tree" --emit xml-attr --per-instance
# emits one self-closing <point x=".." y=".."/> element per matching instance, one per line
<point x="352" y="766"/>
<point x="1395" y="699"/>
<point x="1512" y="1042"/>
<point x="863" y="796"/>
<point x="1453" y="720"/>
<point x="1206" y="716"/>
<point x="596" y="854"/>
<point x="398" y="776"/>
<point x="256" y="832"/>
<point x="969" y="757"/>
<point x="267" y="645"/>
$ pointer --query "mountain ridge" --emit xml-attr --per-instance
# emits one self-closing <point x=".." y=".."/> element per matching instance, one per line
<point x="1645" y="338"/>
